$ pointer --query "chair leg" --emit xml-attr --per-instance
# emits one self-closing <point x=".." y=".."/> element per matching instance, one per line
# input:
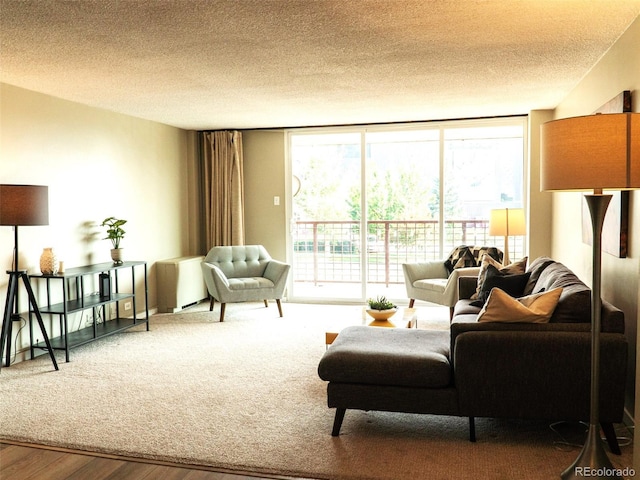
<point x="411" y="302"/>
<point x="279" y="306"/>
<point x="337" y="421"/>
<point x="222" y="305"/>
<point x="472" y="429"/>
<point x="211" y="304"/>
<point x="266" y="303"/>
<point x="611" y="437"/>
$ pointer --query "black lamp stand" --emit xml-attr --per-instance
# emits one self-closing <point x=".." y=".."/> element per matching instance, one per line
<point x="11" y="309"/>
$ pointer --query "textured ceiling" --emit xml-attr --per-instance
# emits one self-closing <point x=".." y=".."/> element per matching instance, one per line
<point x="211" y="64"/>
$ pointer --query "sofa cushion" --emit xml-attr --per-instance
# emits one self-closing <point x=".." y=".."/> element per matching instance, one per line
<point x="388" y="356"/>
<point x="512" y="284"/>
<point x="535" y="270"/>
<point x="515" y="268"/>
<point x="536" y="308"/>
<point x="575" y="302"/>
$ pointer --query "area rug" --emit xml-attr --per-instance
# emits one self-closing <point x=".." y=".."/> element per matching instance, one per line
<point x="244" y="395"/>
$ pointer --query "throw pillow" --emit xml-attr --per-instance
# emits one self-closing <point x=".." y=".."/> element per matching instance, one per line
<point x="515" y="268"/>
<point x="512" y="284"/>
<point x="537" y="308"/>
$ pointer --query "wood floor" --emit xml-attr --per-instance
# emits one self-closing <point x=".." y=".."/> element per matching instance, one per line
<point x="23" y="462"/>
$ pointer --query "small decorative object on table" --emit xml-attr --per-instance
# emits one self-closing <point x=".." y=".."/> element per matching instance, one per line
<point x="48" y="261"/>
<point x="115" y="233"/>
<point x="381" y="310"/>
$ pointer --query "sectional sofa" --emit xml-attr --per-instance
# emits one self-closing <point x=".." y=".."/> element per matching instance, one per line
<point x="525" y="369"/>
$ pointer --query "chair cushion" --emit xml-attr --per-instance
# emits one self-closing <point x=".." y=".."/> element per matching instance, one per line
<point x="388" y="356"/>
<point x="432" y="284"/>
<point x="249" y="283"/>
<point x="239" y="261"/>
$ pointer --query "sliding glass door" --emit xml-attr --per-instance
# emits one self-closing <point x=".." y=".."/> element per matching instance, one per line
<point x="366" y="200"/>
<point x="325" y="224"/>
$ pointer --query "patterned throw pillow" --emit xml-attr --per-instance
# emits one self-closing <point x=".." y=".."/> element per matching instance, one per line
<point x="515" y="268"/>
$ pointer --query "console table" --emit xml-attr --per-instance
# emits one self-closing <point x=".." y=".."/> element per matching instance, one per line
<point x="77" y="297"/>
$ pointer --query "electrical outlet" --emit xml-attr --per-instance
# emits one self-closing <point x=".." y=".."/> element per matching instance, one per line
<point x="127" y="305"/>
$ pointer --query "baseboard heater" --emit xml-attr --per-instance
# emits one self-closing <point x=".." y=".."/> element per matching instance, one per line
<point x="180" y="283"/>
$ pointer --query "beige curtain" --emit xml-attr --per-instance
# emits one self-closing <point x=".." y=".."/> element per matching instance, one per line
<point x="223" y="188"/>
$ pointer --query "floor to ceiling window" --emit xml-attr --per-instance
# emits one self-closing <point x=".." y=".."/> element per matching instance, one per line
<point x="365" y="200"/>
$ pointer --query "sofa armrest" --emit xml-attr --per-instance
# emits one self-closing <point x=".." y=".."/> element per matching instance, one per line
<point x="467" y="286"/>
<point x="451" y="291"/>
<point x="538" y="374"/>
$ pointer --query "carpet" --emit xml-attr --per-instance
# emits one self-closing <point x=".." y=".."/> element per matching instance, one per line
<point x="244" y="395"/>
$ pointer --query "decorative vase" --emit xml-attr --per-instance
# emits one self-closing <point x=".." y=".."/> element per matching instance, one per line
<point x="381" y="317"/>
<point x="48" y="262"/>
<point x="116" y="255"/>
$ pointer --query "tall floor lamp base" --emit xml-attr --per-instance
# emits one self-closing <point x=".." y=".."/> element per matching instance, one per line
<point x="12" y="290"/>
<point x="592" y="461"/>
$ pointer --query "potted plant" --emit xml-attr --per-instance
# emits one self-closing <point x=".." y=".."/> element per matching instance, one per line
<point x="115" y="233"/>
<point x="381" y="309"/>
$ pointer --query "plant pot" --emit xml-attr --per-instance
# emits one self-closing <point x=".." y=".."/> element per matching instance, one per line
<point x="381" y="317"/>
<point x="116" y="255"/>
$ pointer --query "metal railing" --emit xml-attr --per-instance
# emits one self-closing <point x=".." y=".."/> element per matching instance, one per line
<point x="330" y="251"/>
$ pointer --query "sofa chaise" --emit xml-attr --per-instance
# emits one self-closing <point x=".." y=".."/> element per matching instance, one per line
<point x="486" y="369"/>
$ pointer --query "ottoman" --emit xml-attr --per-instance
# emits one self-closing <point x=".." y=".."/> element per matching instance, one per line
<point x="397" y="370"/>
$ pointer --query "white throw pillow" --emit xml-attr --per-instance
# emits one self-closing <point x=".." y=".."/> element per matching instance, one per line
<point x="537" y="308"/>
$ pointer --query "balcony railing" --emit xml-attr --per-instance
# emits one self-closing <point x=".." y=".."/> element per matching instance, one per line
<point x="330" y="251"/>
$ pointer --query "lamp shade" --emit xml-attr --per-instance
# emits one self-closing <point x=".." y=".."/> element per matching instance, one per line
<point x="24" y="205"/>
<point x="595" y="152"/>
<point x="507" y="222"/>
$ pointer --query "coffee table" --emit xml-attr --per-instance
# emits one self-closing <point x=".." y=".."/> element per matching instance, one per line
<point x="403" y="318"/>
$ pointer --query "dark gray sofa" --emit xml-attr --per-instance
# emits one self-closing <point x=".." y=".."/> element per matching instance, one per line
<point x="486" y="369"/>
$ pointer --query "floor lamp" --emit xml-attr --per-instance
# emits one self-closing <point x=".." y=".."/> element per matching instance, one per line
<point x="596" y="152"/>
<point x="507" y="222"/>
<point x="22" y="205"/>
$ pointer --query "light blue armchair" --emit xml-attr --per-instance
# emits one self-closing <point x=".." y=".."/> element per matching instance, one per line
<point x="243" y="273"/>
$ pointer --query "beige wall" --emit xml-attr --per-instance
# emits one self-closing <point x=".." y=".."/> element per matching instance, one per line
<point x="96" y="164"/>
<point x="539" y="203"/>
<point x="264" y="172"/>
<point x="618" y="70"/>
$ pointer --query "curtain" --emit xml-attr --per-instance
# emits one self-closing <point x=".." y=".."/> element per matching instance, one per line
<point x="223" y="188"/>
